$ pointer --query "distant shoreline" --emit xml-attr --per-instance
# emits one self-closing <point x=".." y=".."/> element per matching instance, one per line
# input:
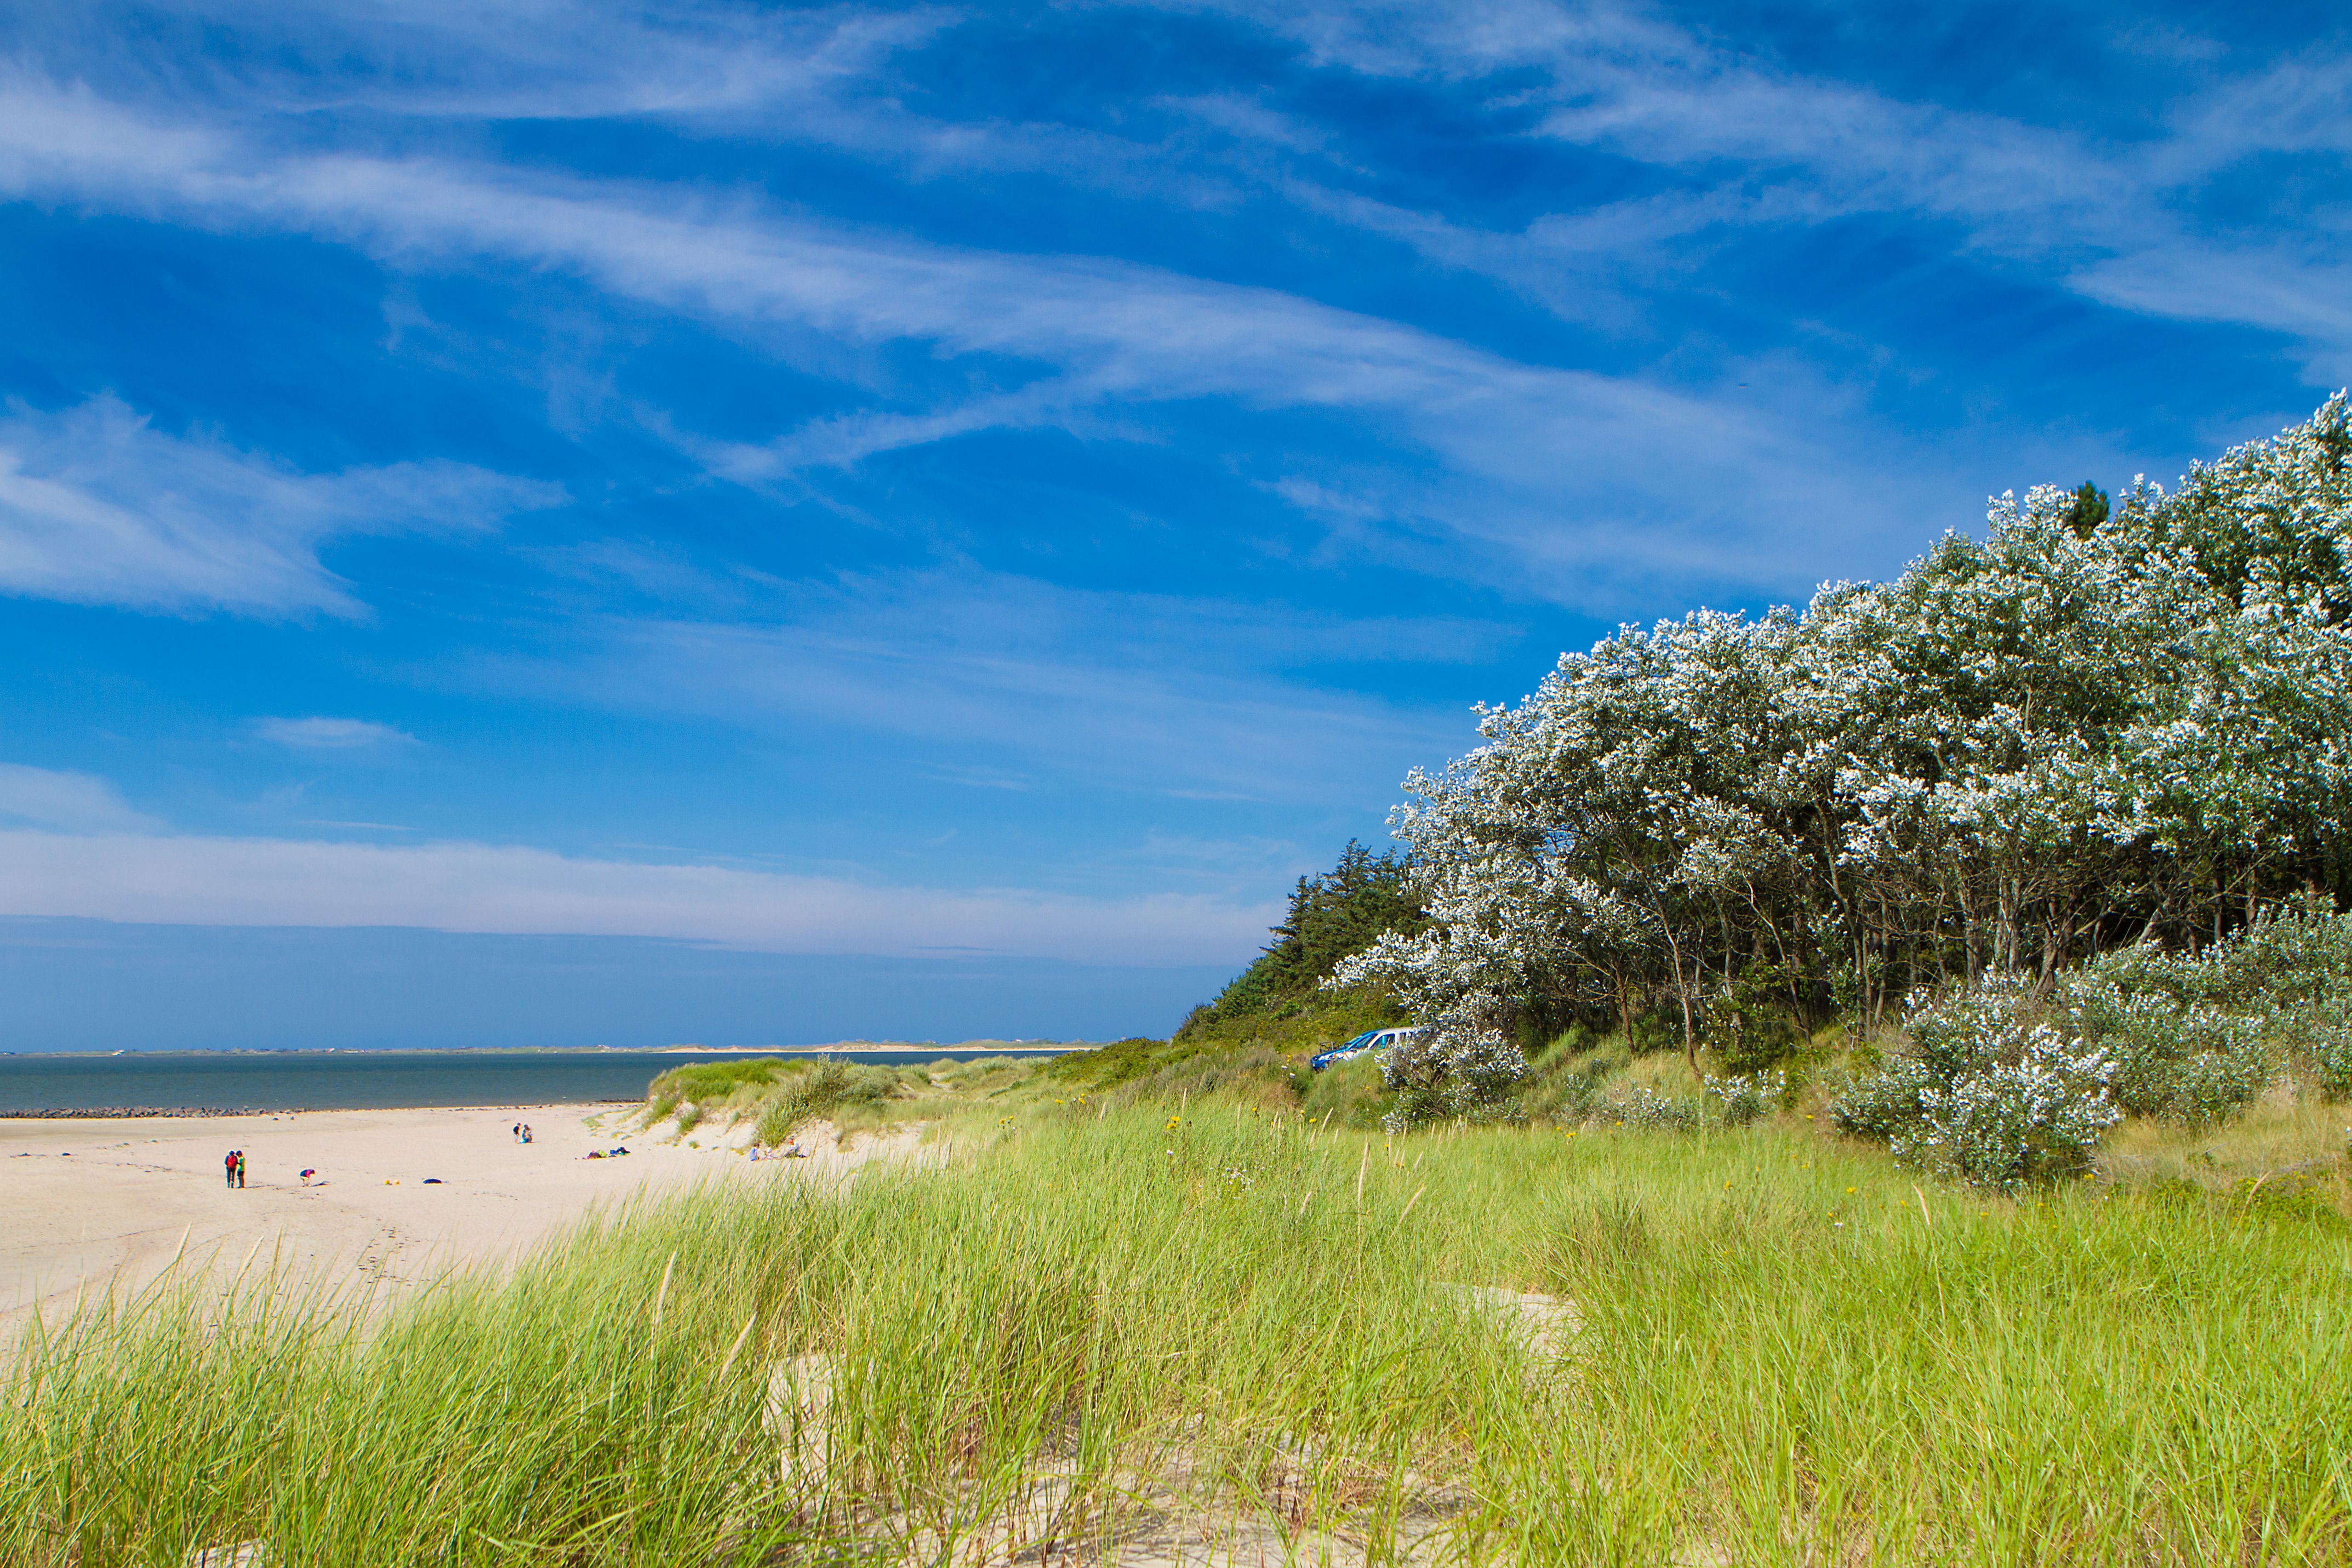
<point x="194" y="1086"/>
<point x="931" y="1050"/>
<point x="203" y="1113"/>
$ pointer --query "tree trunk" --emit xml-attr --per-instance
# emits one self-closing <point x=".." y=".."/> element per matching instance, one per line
<point x="1682" y="990"/>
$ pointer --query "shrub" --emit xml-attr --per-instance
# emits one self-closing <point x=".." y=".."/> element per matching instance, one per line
<point x="1985" y="1097"/>
<point x="1746" y="1097"/>
<point x="1456" y="1068"/>
<point x="2036" y="1111"/>
<point x="1642" y="1108"/>
<point x="820" y="1092"/>
<point x="1655" y="1030"/>
<point x="1750" y="1025"/>
<point x="1882" y="1102"/>
<point x="2180" y="1059"/>
<point x="2323" y="1045"/>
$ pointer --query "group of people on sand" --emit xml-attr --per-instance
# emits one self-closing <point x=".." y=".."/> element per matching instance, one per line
<point x="233" y="1167"/>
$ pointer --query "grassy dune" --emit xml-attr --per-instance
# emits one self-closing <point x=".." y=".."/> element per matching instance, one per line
<point x="1095" y="1325"/>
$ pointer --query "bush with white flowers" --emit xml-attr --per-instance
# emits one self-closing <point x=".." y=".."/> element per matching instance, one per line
<point x="2035" y="1110"/>
<point x="1643" y="1108"/>
<point x="1460" y="1067"/>
<point x="2176" y="1059"/>
<point x="1746" y="1097"/>
<point x="1986" y="1097"/>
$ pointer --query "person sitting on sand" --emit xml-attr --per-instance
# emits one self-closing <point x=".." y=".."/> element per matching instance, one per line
<point x="526" y="1132"/>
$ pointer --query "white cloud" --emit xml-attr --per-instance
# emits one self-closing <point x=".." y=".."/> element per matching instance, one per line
<point x="331" y="733"/>
<point x="519" y="59"/>
<point x="1586" y="488"/>
<point x="74" y="802"/>
<point x="1145" y="691"/>
<point x="2299" y="105"/>
<point x="1765" y="144"/>
<point x="1588" y="478"/>
<point x="98" y="507"/>
<point x="1769" y="145"/>
<point x="474" y="887"/>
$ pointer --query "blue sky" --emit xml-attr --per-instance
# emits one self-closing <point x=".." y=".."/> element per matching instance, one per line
<point x="759" y="524"/>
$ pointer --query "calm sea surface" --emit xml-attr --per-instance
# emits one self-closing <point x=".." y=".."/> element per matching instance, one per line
<point x="360" y="1080"/>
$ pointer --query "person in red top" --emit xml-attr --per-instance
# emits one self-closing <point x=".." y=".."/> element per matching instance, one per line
<point x="228" y="1167"/>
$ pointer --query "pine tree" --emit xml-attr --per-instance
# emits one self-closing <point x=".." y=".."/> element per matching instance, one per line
<point x="2089" y="510"/>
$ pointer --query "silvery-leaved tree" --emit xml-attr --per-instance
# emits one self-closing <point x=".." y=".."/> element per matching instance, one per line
<point x="2098" y="725"/>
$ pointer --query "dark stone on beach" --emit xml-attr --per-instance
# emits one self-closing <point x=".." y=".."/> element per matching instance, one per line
<point x="63" y="1111"/>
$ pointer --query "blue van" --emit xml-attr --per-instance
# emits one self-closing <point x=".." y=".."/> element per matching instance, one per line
<point x="1375" y="1039"/>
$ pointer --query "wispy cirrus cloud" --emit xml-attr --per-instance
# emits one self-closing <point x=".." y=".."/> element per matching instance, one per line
<point x="1027" y="680"/>
<point x="1755" y="144"/>
<point x="167" y="879"/>
<point x="72" y="802"/>
<point x="1571" y="482"/>
<point x="321" y="734"/>
<point x="1260" y="241"/>
<point x="98" y="507"/>
<point x="533" y="59"/>
<point x="1743" y="144"/>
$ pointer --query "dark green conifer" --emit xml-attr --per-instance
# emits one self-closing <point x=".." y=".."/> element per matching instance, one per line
<point x="2090" y="509"/>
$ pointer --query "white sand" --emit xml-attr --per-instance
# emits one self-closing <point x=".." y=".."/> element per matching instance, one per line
<point x="84" y="1200"/>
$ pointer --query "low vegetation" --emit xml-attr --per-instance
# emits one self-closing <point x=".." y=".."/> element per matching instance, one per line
<point x="777" y="1096"/>
<point x="1102" y="1329"/>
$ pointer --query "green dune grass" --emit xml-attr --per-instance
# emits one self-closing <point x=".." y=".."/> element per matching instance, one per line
<point x="1783" y="1352"/>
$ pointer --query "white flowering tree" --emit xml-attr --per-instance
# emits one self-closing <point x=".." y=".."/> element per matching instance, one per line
<point x="2086" y="729"/>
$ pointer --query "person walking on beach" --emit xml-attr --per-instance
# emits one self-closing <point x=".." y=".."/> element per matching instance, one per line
<point x="518" y="1131"/>
<point x="228" y="1169"/>
<point x="240" y="1170"/>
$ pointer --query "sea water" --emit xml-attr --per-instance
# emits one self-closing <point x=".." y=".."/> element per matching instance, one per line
<point x="363" y="1080"/>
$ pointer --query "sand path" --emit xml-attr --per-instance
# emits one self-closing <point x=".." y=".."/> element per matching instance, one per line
<point x="81" y="1202"/>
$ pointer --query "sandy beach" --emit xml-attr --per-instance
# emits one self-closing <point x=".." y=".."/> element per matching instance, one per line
<point x="398" y="1195"/>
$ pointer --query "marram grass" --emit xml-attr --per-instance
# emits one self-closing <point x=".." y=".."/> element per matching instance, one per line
<point x="1785" y="1352"/>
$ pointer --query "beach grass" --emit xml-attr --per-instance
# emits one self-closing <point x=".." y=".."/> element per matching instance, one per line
<point x="1090" y="1328"/>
